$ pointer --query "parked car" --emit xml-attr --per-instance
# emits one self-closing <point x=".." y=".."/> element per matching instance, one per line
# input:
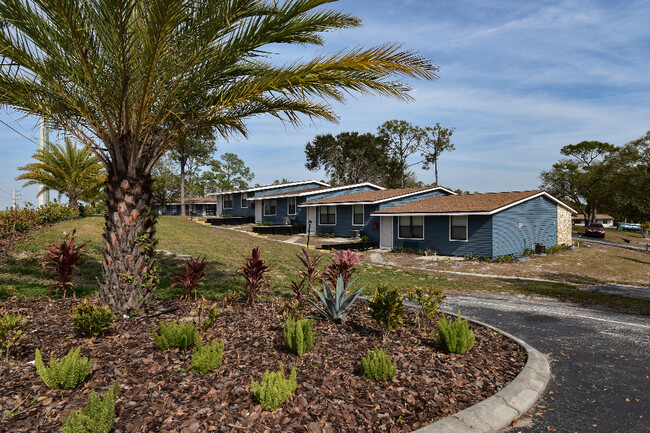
<point x="595" y="230"/>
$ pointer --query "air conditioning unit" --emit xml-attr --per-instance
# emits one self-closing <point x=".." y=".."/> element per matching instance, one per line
<point x="355" y="234"/>
<point x="286" y="221"/>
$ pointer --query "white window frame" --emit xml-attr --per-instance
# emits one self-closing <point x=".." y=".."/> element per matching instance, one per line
<point x="295" y="206"/>
<point x="320" y="213"/>
<point x="410" y="216"/>
<point x="232" y="202"/>
<point x="363" y="214"/>
<point x="466" y="228"/>
<point x="264" y="209"/>
<point x="244" y="200"/>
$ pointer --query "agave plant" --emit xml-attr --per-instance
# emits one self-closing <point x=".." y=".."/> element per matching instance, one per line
<point x="335" y="306"/>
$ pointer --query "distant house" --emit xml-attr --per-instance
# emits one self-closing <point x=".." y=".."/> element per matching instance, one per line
<point x="237" y="203"/>
<point x="198" y="206"/>
<point x="490" y="225"/>
<point x="285" y="207"/>
<point x="604" y="219"/>
<point x="343" y="213"/>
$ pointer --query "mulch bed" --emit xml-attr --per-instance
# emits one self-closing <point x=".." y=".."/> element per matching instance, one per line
<point x="159" y="393"/>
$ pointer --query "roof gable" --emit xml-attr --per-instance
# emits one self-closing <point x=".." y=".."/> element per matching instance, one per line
<point x="313" y="191"/>
<point x="317" y="184"/>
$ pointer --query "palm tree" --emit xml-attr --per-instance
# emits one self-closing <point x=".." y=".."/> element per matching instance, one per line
<point x="131" y="78"/>
<point x="72" y="171"/>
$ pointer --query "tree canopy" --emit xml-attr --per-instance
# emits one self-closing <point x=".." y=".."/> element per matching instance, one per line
<point x="228" y="174"/>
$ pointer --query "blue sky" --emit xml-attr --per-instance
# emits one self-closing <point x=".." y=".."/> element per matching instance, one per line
<point x="518" y="80"/>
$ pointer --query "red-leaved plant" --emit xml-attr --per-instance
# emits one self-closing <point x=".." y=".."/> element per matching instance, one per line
<point x="343" y="265"/>
<point x="254" y="271"/>
<point x="62" y="259"/>
<point x="298" y="290"/>
<point x="190" y="276"/>
<point x="310" y="273"/>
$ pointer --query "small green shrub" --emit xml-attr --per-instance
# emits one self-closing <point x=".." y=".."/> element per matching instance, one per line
<point x="91" y="320"/>
<point x="387" y="307"/>
<point x="67" y="373"/>
<point x="175" y="335"/>
<point x="97" y="417"/>
<point x="556" y="248"/>
<point x="274" y="389"/>
<point x="377" y="365"/>
<point x="428" y="299"/>
<point x="11" y="329"/>
<point x="206" y="314"/>
<point x="299" y="335"/>
<point x="455" y="337"/>
<point x="207" y="358"/>
<point x="325" y="235"/>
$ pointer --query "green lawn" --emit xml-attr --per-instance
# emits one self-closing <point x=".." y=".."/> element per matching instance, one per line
<point x="22" y="275"/>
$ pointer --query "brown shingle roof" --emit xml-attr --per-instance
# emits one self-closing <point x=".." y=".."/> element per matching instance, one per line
<point x="370" y="196"/>
<point x="314" y="190"/>
<point x="599" y="216"/>
<point x="470" y="203"/>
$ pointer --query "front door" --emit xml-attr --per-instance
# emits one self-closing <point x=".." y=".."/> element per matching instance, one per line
<point x="259" y="206"/>
<point x="386" y="233"/>
<point x="311" y="216"/>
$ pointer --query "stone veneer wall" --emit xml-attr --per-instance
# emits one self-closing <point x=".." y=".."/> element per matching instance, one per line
<point x="563" y="226"/>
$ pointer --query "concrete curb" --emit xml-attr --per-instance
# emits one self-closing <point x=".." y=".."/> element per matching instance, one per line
<point x="499" y="411"/>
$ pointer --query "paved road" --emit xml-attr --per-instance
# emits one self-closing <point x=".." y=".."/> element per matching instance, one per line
<point x="581" y="237"/>
<point x="600" y="360"/>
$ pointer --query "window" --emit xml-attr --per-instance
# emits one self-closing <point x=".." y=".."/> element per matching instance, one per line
<point x="211" y="209"/>
<point x="357" y="215"/>
<point x="458" y="228"/>
<point x="270" y="207"/>
<point x="327" y="215"/>
<point x="227" y="201"/>
<point x="411" y="227"/>
<point x="244" y="199"/>
<point x="291" y="205"/>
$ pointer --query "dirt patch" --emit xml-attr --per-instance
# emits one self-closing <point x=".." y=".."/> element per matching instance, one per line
<point x="160" y="394"/>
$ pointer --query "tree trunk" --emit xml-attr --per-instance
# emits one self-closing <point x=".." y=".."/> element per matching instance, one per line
<point x="128" y="271"/>
<point x="435" y="165"/>
<point x="182" y="188"/>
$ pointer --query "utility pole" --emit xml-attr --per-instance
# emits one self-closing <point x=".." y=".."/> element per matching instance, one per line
<point x="13" y="195"/>
<point x="44" y="193"/>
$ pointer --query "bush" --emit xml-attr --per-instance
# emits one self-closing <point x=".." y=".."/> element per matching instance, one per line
<point x="274" y="388"/>
<point x="175" y="335"/>
<point x="62" y="259"/>
<point x="17" y="220"/>
<point x="428" y="300"/>
<point x="298" y="335"/>
<point x="387" y="307"/>
<point x="455" y="337"/>
<point x="11" y="330"/>
<point x="207" y="358"/>
<point x="64" y="374"/>
<point x="97" y="417"/>
<point x="91" y="320"/>
<point x="377" y="365"/>
<point x="342" y="265"/>
<point x="254" y="270"/>
<point x="190" y="276"/>
<point x="556" y="248"/>
<point x="335" y="306"/>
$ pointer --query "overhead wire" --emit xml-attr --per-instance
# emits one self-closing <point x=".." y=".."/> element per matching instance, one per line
<point x="18" y="132"/>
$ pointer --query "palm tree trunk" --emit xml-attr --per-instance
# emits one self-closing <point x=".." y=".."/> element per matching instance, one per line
<point x="128" y="270"/>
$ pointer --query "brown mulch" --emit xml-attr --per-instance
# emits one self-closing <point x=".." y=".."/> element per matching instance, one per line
<point x="159" y="393"/>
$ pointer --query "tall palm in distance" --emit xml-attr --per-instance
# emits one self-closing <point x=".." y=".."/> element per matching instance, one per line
<point x="72" y="171"/>
<point x="132" y="78"/>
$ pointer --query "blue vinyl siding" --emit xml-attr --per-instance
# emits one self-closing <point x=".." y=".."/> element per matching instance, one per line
<point x="436" y="236"/>
<point x="237" y="210"/>
<point x="538" y="218"/>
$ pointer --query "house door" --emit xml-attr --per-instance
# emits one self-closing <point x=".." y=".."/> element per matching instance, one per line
<point x="311" y="216"/>
<point x="386" y="233"/>
<point x="259" y="206"/>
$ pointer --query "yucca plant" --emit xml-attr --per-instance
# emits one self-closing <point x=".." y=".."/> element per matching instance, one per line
<point x="190" y="276"/>
<point x="335" y="306"/>
<point x="342" y="265"/>
<point x="132" y="79"/>
<point x="254" y="271"/>
<point x="62" y="259"/>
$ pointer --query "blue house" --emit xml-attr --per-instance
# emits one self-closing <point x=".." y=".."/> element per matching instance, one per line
<point x="490" y="225"/>
<point x="343" y="213"/>
<point x="196" y="206"/>
<point x="285" y="207"/>
<point x="237" y="203"/>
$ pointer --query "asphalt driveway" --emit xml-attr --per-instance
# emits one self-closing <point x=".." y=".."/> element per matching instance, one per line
<point x="600" y="361"/>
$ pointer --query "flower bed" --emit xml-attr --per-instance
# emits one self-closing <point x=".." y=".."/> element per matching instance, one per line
<point x="159" y="392"/>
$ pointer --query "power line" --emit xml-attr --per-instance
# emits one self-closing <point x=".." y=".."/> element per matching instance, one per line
<point x="18" y="132"/>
